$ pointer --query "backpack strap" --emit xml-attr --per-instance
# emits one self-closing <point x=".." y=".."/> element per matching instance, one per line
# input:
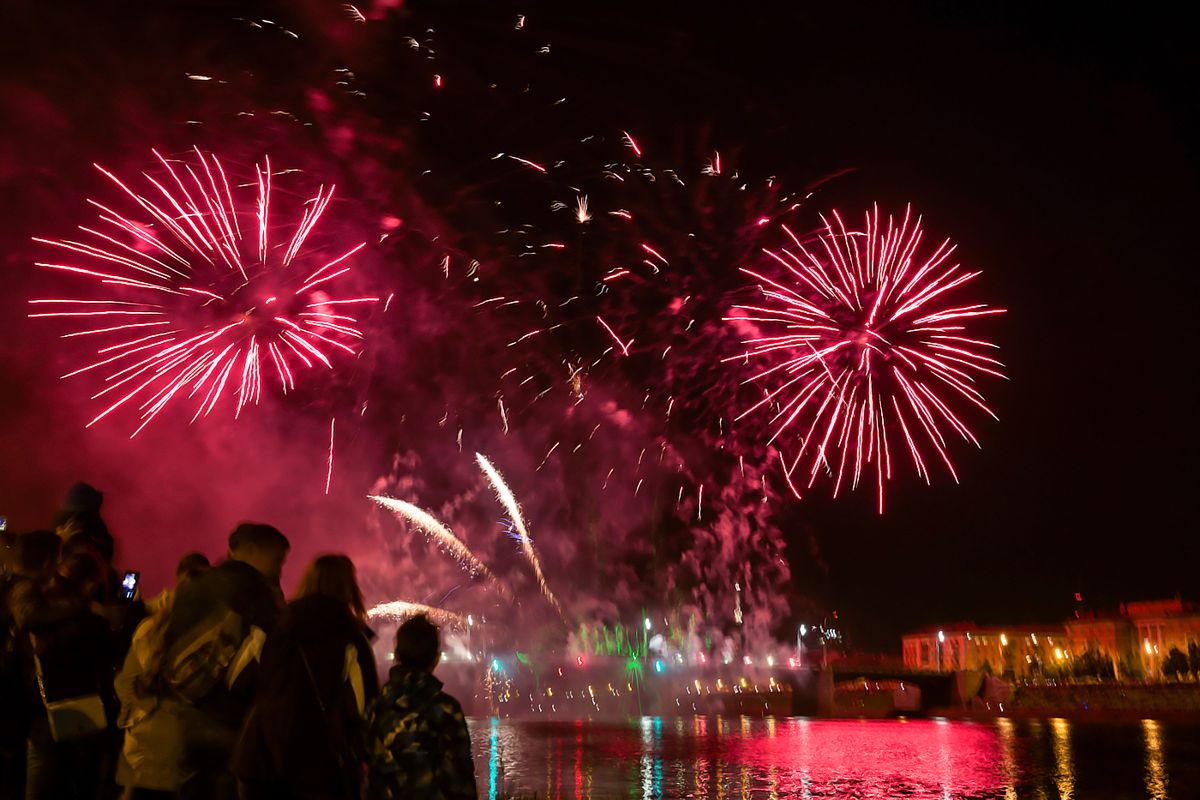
<point x="352" y="674"/>
<point x="249" y="652"/>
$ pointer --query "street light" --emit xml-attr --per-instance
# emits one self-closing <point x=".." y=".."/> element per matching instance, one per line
<point x="940" y="641"/>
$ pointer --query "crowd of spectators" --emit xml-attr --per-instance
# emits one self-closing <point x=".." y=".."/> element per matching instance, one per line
<point x="216" y="688"/>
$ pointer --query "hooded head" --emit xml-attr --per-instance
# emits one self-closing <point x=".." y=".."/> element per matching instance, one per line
<point x="82" y="498"/>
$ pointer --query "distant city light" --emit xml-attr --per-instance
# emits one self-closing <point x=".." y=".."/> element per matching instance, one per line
<point x="1003" y="640"/>
<point x="658" y="665"/>
<point x="497" y="666"/>
<point x="647" y="623"/>
<point x="941" y="636"/>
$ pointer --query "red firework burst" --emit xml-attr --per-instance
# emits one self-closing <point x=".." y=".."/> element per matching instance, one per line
<point x="200" y="299"/>
<point x="867" y="351"/>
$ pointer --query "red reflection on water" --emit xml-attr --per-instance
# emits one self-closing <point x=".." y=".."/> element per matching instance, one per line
<point x="879" y="760"/>
<point x="712" y="758"/>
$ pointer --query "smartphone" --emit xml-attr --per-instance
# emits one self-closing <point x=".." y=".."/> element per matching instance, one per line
<point x="129" y="585"/>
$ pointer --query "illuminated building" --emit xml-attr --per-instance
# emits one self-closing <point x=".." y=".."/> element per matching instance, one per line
<point x="1019" y="650"/>
<point x="1161" y="625"/>
<point x="1135" y="639"/>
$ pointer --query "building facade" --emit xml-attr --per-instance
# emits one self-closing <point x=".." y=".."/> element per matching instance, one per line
<point x="1162" y="625"/>
<point x="1019" y="651"/>
<point x="1136" y="640"/>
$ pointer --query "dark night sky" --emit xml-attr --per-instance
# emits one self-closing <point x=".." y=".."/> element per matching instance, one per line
<point x="1054" y="145"/>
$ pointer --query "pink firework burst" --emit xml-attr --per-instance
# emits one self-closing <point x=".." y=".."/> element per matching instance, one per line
<point x="192" y="296"/>
<point x="865" y="352"/>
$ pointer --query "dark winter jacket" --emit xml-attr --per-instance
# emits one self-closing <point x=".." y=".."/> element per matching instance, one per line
<point x="422" y="746"/>
<point x="234" y="584"/>
<point x="72" y="645"/>
<point x="306" y="733"/>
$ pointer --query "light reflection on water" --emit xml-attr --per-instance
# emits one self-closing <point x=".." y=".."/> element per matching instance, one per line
<point x="1156" y="770"/>
<point x="751" y="758"/>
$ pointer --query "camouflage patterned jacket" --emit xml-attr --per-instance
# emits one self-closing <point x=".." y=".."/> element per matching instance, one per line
<point x="421" y="747"/>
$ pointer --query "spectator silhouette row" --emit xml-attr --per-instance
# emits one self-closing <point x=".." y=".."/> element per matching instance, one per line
<point x="216" y="688"/>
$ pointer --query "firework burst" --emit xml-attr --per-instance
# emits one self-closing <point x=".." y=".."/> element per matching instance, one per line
<point x="193" y="296"/>
<point x="865" y="351"/>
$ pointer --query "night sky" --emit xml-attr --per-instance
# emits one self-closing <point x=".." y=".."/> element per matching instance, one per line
<point x="1051" y="144"/>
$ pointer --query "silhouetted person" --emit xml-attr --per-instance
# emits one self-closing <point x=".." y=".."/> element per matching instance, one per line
<point x="14" y="718"/>
<point x="305" y="736"/>
<point x="79" y="521"/>
<point x="152" y="721"/>
<point x="190" y="567"/>
<point x="66" y="654"/>
<point x="212" y="646"/>
<point x="422" y="748"/>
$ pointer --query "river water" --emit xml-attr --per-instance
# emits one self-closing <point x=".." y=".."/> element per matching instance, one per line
<point x="740" y="758"/>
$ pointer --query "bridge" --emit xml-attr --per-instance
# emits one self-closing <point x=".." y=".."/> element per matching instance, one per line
<point x="813" y="689"/>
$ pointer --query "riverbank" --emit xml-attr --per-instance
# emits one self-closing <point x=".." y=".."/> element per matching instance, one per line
<point x="1100" y="702"/>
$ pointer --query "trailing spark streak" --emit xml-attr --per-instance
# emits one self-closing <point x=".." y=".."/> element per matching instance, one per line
<point x="221" y="298"/>
<point x="509" y="502"/>
<point x="863" y="352"/>
<point x="399" y="610"/>
<point x="438" y="531"/>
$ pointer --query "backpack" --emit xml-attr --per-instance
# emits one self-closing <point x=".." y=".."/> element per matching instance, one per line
<point x="214" y="651"/>
<point x="402" y="765"/>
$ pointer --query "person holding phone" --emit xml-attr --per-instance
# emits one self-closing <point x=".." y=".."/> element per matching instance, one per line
<point x="150" y="754"/>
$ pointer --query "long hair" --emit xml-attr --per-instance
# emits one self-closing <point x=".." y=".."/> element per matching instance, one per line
<point x="333" y="575"/>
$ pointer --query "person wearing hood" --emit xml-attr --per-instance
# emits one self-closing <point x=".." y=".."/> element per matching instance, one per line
<point x="78" y="523"/>
<point x="421" y="745"/>
<point x="305" y="735"/>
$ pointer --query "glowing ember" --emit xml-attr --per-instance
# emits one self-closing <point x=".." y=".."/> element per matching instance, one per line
<point x="201" y="295"/>
<point x="867" y="351"/>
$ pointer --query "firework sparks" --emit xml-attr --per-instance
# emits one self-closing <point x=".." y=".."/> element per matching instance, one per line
<point x="400" y="610"/>
<point x="438" y="531"/>
<point x="329" y="471"/>
<point x="509" y="502"/>
<point x="623" y="345"/>
<point x="203" y="295"/>
<point x="867" y="352"/>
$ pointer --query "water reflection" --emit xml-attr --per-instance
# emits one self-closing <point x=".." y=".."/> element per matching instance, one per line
<point x="755" y="759"/>
<point x="1008" y="767"/>
<point x="1156" y="771"/>
<point x="493" y="757"/>
<point x="1064" y="770"/>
